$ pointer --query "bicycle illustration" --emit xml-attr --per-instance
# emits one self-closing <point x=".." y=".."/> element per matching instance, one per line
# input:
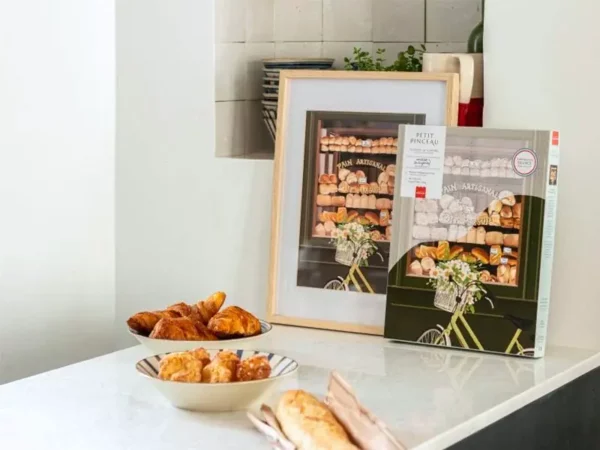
<point x="343" y="284"/>
<point x="457" y="300"/>
<point x="354" y="246"/>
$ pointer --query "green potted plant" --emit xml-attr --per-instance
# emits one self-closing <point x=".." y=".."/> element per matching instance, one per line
<point x="410" y="60"/>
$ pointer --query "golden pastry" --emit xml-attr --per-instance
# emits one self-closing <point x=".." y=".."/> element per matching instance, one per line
<point x="201" y="354"/>
<point x="144" y="322"/>
<point x="182" y="367"/>
<point x="209" y="307"/>
<point x="181" y="329"/>
<point x="256" y="367"/>
<point x="222" y="368"/>
<point x="235" y="322"/>
<point x="183" y="309"/>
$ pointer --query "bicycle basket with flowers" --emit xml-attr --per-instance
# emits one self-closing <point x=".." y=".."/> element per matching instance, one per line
<point x="456" y="282"/>
<point x="353" y="243"/>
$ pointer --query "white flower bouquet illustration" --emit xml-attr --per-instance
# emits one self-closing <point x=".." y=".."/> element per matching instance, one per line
<point x="353" y="243"/>
<point x="457" y="283"/>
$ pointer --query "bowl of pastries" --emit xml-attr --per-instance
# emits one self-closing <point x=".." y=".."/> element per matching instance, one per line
<point x="181" y="326"/>
<point x="215" y="380"/>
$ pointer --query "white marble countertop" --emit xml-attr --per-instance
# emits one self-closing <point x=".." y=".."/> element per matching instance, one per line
<point x="430" y="398"/>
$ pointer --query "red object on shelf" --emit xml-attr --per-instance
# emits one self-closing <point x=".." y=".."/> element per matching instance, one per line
<point x="471" y="114"/>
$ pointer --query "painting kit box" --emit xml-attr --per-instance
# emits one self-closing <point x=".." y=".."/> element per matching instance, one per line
<point x="473" y="238"/>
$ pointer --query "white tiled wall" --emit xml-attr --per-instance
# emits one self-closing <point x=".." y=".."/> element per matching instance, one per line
<point x="250" y="30"/>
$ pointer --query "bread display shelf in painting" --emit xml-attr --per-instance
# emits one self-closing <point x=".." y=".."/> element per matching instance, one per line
<point x="349" y="177"/>
<point x="472" y="255"/>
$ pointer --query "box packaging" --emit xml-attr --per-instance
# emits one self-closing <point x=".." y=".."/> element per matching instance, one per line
<point x="473" y="238"/>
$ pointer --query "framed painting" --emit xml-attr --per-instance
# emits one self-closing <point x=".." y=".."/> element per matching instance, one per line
<point x="333" y="194"/>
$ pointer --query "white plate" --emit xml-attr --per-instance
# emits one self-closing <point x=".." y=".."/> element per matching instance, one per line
<point x="157" y="346"/>
<point x="218" y="397"/>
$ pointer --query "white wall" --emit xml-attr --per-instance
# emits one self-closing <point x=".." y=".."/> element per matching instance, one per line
<point x="542" y="72"/>
<point x="56" y="183"/>
<point x="187" y="223"/>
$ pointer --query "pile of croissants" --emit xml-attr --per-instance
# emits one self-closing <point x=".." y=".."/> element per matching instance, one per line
<point x="200" y="322"/>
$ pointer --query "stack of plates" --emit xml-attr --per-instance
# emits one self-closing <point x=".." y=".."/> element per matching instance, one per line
<point x="271" y="70"/>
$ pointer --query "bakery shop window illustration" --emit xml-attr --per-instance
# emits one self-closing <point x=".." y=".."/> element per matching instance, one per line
<point x="478" y="217"/>
<point x="468" y="258"/>
<point x="348" y="199"/>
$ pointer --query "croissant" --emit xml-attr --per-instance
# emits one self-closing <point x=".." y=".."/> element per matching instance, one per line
<point x="144" y="322"/>
<point x="182" y="308"/>
<point x="234" y="322"/>
<point x="181" y="329"/>
<point x="209" y="307"/>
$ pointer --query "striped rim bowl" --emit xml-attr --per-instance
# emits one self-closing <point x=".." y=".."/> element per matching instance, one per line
<point x="280" y="365"/>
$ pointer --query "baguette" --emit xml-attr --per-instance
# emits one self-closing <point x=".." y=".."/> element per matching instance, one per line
<point x="309" y="424"/>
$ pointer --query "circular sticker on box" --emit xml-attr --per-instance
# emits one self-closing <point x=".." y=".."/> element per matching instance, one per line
<point x="524" y="162"/>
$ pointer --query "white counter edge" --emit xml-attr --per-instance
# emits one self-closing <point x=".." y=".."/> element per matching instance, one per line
<point x="502" y="410"/>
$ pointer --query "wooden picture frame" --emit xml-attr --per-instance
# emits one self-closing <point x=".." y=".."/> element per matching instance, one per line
<point x="307" y="99"/>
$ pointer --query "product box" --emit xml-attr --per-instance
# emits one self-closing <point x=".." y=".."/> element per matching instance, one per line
<point x="473" y="238"/>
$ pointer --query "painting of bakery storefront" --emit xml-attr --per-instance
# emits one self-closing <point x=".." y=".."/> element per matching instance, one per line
<point x="348" y="199"/>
